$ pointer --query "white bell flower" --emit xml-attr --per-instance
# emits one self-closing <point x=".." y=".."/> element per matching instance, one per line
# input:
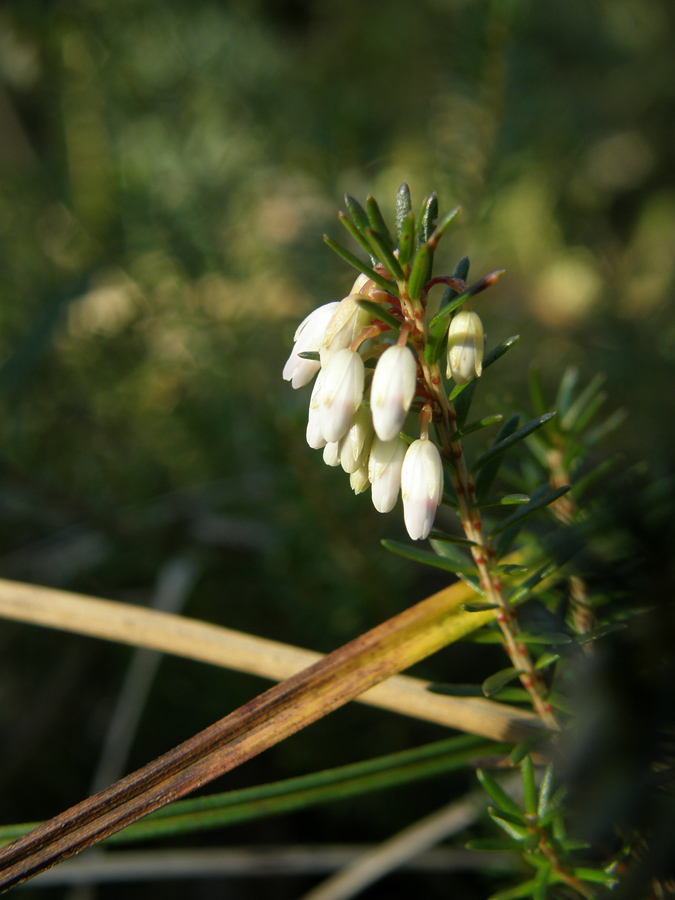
<point x="315" y="437"/>
<point x="466" y="345"/>
<point x="384" y="471"/>
<point x="421" y="487"/>
<point x="347" y="321"/>
<point x="359" y="480"/>
<point x="341" y="393"/>
<point x="331" y="453"/>
<point x="392" y="391"/>
<point x="308" y="339"/>
<point x="355" y="445"/>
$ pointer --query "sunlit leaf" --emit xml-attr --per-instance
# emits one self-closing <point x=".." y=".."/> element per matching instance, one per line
<point x="377" y="223"/>
<point x="385" y="254"/>
<point x="406" y="242"/>
<point x="358" y="213"/>
<point x="476" y="426"/>
<point x="402" y="209"/>
<point x="508" y="823"/>
<point x="504" y="500"/>
<point x="442" y="226"/>
<point x="429" y="218"/>
<point x="527" y="509"/>
<point x="418" y="274"/>
<point x="358" y="236"/>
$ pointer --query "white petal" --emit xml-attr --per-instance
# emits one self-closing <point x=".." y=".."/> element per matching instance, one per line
<point x="359" y="480"/>
<point x="355" y="445"/>
<point x="346" y="322"/>
<point x="308" y="338"/>
<point x="392" y="391"/>
<point x="466" y="342"/>
<point x="341" y="394"/>
<point x="314" y="434"/>
<point x="331" y="454"/>
<point x="387" y="482"/>
<point x="421" y="487"/>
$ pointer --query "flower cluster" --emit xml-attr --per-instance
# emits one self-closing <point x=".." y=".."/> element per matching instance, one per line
<point x="357" y="419"/>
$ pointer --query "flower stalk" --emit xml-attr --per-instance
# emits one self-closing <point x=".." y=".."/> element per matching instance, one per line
<point x="384" y="318"/>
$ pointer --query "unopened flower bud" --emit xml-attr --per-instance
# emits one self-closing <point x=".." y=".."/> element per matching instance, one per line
<point x="359" y="480"/>
<point x="466" y="344"/>
<point x="314" y="434"/>
<point x="355" y="445"/>
<point x="421" y="487"/>
<point x="308" y="338"/>
<point x="341" y="393"/>
<point x="331" y="454"/>
<point x="344" y="325"/>
<point x="392" y="391"/>
<point x="384" y="470"/>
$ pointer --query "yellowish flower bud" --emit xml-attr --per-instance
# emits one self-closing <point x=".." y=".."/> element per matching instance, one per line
<point x="466" y="345"/>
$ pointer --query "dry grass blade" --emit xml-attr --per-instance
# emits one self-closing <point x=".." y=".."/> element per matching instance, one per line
<point x="272" y="716"/>
<point x="178" y="635"/>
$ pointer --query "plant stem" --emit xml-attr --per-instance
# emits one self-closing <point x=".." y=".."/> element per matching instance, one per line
<point x="470" y="518"/>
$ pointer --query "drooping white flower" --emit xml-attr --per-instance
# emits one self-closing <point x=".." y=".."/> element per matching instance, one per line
<point x="341" y="393"/>
<point x="314" y="434"/>
<point x="359" y="480"/>
<point x="466" y="345"/>
<point x="421" y="487"/>
<point x="384" y="471"/>
<point x="331" y="453"/>
<point x="308" y="338"/>
<point x="355" y="445"/>
<point x="344" y="325"/>
<point x="392" y="390"/>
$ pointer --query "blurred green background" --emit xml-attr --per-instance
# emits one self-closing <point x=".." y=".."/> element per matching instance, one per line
<point x="166" y="173"/>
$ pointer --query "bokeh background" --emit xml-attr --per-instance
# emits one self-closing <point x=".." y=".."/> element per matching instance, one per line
<point x="166" y="173"/>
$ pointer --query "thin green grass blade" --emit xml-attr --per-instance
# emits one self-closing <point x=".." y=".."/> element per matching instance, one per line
<point x="528" y="509"/>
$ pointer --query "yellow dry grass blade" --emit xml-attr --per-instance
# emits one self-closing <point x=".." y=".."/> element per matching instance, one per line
<point x="281" y="711"/>
<point x="189" y="638"/>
